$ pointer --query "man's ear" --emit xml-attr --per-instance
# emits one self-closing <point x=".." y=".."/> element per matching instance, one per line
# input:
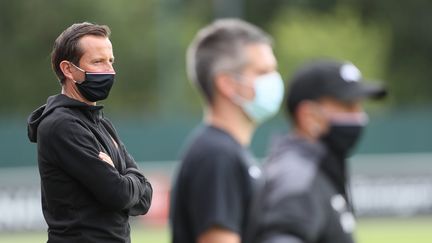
<point x="309" y="119"/>
<point x="66" y="68"/>
<point x="224" y="84"/>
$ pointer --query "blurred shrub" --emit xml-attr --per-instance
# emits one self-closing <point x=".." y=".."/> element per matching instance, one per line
<point x="303" y="34"/>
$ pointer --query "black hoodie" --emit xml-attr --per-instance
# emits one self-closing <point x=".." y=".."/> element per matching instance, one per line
<point x="84" y="199"/>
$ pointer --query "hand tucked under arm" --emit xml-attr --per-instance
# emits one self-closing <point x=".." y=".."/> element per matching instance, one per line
<point x="80" y="157"/>
<point x="105" y="157"/>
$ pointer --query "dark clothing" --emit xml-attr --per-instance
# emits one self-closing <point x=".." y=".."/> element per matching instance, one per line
<point x="84" y="199"/>
<point x="213" y="187"/>
<point x="300" y="202"/>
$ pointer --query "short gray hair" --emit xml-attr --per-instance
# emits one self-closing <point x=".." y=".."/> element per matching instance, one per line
<point x="219" y="47"/>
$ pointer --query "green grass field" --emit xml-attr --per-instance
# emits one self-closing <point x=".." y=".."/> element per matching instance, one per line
<point x="417" y="230"/>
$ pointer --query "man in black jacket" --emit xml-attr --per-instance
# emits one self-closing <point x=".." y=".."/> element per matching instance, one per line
<point x="304" y="198"/>
<point x="90" y="184"/>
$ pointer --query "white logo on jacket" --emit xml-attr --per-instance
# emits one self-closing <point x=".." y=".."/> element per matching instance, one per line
<point x="346" y="218"/>
<point x="254" y="171"/>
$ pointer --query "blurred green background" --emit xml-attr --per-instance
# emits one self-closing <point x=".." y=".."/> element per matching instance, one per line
<point x="154" y="107"/>
<point x="388" y="41"/>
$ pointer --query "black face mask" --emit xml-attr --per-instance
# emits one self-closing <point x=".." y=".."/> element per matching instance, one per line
<point x="96" y="85"/>
<point x="341" y="139"/>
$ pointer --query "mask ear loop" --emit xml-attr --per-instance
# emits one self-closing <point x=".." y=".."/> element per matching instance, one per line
<point x="79" y="69"/>
<point x="239" y="79"/>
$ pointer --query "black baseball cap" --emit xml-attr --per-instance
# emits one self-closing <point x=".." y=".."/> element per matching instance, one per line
<point x="329" y="78"/>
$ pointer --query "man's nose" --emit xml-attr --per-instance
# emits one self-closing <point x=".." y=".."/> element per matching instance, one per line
<point x="109" y="67"/>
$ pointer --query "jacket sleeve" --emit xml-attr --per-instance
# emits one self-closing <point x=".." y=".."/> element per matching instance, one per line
<point x="76" y="151"/>
<point x="144" y="202"/>
<point x="291" y="210"/>
<point x="282" y="238"/>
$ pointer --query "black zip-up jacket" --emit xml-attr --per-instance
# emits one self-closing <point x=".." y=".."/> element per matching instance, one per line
<point x="84" y="199"/>
<point x="299" y="201"/>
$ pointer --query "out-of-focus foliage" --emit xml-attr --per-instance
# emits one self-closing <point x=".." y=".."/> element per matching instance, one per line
<point x="409" y="58"/>
<point x="149" y="39"/>
<point x="387" y="40"/>
<point x="302" y="35"/>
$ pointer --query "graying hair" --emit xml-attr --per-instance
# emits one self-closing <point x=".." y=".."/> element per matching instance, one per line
<point x="220" y="47"/>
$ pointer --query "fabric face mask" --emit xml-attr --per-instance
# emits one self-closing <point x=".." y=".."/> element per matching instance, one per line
<point x="342" y="136"/>
<point x="96" y="85"/>
<point x="269" y="91"/>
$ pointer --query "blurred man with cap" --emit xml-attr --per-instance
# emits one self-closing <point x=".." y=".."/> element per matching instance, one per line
<point x="305" y="198"/>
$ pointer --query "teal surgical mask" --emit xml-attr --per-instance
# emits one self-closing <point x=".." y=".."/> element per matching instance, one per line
<point x="269" y="91"/>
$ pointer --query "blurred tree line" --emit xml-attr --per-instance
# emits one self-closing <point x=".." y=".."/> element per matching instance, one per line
<point x="388" y="40"/>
